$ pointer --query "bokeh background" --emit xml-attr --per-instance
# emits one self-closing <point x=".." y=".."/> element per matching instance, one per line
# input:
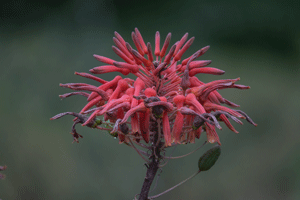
<point x="42" y="44"/>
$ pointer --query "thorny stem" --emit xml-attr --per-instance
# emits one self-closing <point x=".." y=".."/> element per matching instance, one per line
<point x="168" y="190"/>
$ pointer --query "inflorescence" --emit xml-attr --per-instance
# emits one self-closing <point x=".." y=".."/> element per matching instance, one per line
<point x="166" y="104"/>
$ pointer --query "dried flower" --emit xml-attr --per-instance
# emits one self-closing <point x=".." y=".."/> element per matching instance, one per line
<point x="166" y="95"/>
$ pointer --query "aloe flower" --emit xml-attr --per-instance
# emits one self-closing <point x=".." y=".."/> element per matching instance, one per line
<point x="165" y="105"/>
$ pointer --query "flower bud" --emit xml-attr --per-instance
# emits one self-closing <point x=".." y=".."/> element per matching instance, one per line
<point x="124" y="128"/>
<point x="158" y="111"/>
<point x="198" y="121"/>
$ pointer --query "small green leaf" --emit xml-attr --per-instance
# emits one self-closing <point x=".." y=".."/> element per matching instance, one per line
<point x="115" y="134"/>
<point x="98" y="121"/>
<point x="209" y="158"/>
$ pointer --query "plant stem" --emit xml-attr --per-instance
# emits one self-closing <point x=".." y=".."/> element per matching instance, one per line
<point x="168" y="190"/>
<point x="186" y="154"/>
<point x="154" y="159"/>
<point x="150" y="175"/>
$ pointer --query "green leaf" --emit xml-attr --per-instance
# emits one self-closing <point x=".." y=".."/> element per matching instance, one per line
<point x="209" y="158"/>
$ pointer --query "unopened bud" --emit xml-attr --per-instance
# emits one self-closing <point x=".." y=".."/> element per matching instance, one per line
<point x="124" y="128"/>
<point x="197" y="122"/>
<point x="158" y="111"/>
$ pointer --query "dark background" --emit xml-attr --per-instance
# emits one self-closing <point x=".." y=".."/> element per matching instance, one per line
<point x="43" y="43"/>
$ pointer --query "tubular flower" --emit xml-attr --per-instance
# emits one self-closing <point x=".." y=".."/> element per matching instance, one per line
<point x="165" y="95"/>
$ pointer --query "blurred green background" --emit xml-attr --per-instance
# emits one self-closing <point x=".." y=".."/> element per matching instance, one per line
<point x="43" y="43"/>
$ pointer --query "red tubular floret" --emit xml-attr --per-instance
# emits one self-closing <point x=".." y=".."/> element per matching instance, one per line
<point x="157" y="44"/>
<point x="165" y="46"/>
<point x="184" y="48"/>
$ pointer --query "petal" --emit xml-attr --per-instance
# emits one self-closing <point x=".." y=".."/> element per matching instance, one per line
<point x="211" y="134"/>
<point x="140" y="108"/>
<point x="180" y="43"/>
<point x="206" y="70"/>
<point x="191" y="100"/>
<point x="144" y="125"/>
<point x="141" y="41"/>
<point x="165" y="46"/>
<point x="166" y="129"/>
<point x="227" y="122"/>
<point x="157" y="44"/>
<point x="177" y="128"/>
<point x="105" y="87"/>
<point x="184" y="48"/>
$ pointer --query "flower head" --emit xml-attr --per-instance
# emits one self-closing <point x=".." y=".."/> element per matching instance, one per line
<point x="166" y="103"/>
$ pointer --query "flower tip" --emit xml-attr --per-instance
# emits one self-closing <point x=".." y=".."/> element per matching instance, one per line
<point x="208" y="62"/>
<point x="150" y="92"/>
<point x="205" y="49"/>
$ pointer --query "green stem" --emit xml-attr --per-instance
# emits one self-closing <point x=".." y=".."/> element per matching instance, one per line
<point x="158" y="195"/>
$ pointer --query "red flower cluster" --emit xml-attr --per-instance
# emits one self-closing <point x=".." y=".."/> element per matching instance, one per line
<point x="166" y="95"/>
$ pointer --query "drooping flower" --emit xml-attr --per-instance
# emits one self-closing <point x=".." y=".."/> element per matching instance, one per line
<point x="166" y="103"/>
